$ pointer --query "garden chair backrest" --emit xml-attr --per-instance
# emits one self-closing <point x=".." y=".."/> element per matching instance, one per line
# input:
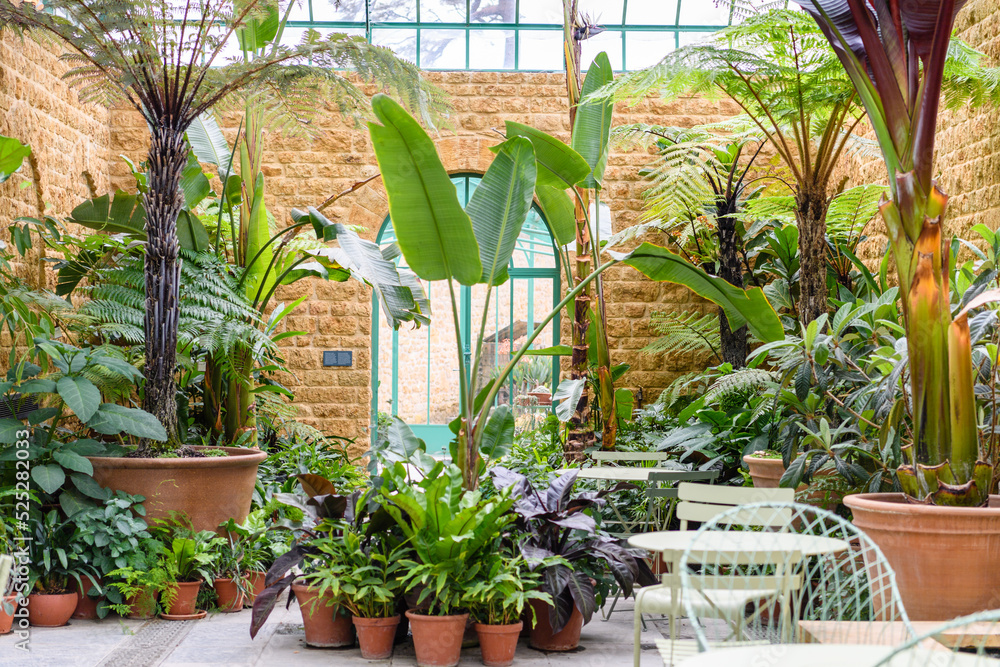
<point x="967" y="640"/>
<point x="702" y="502"/>
<point x="6" y="565"/>
<point x="601" y="458"/>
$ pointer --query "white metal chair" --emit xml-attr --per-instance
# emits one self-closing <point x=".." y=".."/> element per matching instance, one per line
<point x="602" y="458"/>
<point x="696" y="503"/>
<point x="967" y="641"/>
<point x="848" y="592"/>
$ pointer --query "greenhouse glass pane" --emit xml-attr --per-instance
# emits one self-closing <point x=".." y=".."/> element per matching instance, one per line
<point x="442" y="49"/>
<point x="540" y="49"/>
<point x="442" y="11"/>
<point x="492" y="49"/>
<point x="695" y="37"/>
<point x="643" y="49"/>
<point x="542" y="11"/>
<point x="345" y="10"/>
<point x="402" y="42"/>
<point x="610" y="41"/>
<point x="602" y="12"/>
<point x="700" y="12"/>
<point x="487" y="11"/>
<point x="653" y="12"/>
<point x="300" y="10"/>
<point x="393" y="10"/>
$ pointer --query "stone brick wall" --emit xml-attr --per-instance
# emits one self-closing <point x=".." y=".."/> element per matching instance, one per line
<point x="69" y="141"/>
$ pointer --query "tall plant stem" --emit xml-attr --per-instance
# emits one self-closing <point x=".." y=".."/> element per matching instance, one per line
<point x="466" y="453"/>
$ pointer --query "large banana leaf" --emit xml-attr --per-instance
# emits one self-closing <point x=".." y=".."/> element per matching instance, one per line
<point x="209" y="145"/>
<point x="432" y="229"/>
<point x="500" y="204"/>
<point x="12" y="154"/>
<point x="558" y="165"/>
<point x="559" y="212"/>
<point x="124" y="214"/>
<point x="592" y="127"/>
<point x="748" y="307"/>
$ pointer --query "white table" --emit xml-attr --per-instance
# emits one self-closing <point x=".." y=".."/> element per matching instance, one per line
<point x="830" y="655"/>
<point x="672" y="543"/>
<point x="617" y="473"/>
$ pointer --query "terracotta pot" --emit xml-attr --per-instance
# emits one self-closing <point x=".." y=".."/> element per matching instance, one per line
<point x="230" y="597"/>
<point x="185" y="598"/>
<point x="143" y="605"/>
<point x="51" y="611"/>
<point x="323" y="629"/>
<point x="376" y="636"/>
<point x="946" y="559"/>
<point x="86" y="606"/>
<point x="437" y="640"/>
<point x="498" y="643"/>
<point x="766" y="473"/>
<point x="209" y="490"/>
<point x="255" y="584"/>
<point x="542" y="636"/>
<point x="7" y="620"/>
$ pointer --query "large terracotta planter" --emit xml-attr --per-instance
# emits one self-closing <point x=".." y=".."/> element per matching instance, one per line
<point x="376" y="636"/>
<point x="323" y="628"/>
<point x="7" y="620"/>
<point x="210" y="490"/>
<point x="230" y="597"/>
<point x="542" y="636"/>
<point x="86" y="606"/>
<point x="142" y="605"/>
<point x="51" y="611"/>
<point x="498" y="643"/>
<point x="184" y="596"/>
<point x="766" y="473"/>
<point x="437" y="640"/>
<point x="255" y="584"/>
<point x="946" y="559"/>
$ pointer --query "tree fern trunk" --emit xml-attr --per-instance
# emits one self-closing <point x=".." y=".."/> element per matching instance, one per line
<point x="167" y="158"/>
<point x="811" y="208"/>
<point x="733" y="343"/>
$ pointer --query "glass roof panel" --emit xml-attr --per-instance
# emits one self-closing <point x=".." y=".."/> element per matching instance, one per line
<point x="653" y="12"/>
<point x="610" y="41"/>
<point x="540" y="49"/>
<point x="494" y="49"/>
<point x="402" y="41"/>
<point x="442" y="49"/>
<point x="393" y="10"/>
<point x="541" y="11"/>
<point x="702" y="12"/>
<point x="602" y="11"/>
<point x="645" y="48"/>
<point x="344" y="10"/>
<point x="442" y="11"/>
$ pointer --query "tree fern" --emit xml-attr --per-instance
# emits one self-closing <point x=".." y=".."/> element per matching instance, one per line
<point x="683" y="332"/>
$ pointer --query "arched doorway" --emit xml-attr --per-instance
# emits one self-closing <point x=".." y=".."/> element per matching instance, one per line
<point x="415" y="371"/>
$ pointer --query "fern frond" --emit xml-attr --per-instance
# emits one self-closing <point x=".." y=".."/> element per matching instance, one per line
<point x="683" y="332"/>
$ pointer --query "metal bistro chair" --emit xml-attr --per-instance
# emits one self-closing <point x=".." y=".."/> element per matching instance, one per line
<point x="848" y="592"/>
<point x="967" y="641"/>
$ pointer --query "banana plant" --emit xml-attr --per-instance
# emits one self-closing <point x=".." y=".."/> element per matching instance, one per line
<point x="442" y="242"/>
<point x="897" y="56"/>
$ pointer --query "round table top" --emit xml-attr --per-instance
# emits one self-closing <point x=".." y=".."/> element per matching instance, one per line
<point x="737" y="540"/>
<point x="830" y="655"/>
<point x="616" y="473"/>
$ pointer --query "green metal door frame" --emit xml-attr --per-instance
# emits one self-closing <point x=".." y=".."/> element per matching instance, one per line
<point x="437" y="436"/>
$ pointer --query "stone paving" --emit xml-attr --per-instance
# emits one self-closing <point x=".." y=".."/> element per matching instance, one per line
<point x="223" y="639"/>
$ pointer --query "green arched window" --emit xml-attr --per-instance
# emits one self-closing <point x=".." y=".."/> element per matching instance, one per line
<point x="415" y="371"/>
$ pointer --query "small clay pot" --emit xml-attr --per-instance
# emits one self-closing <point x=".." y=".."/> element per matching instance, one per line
<point x="51" y="611"/>
<point x="86" y="606"/>
<point x="498" y="643"/>
<point x="185" y="598"/>
<point x="7" y="620"/>
<point x="323" y="628"/>
<point x="255" y="584"/>
<point x="142" y="605"/>
<point x="230" y="596"/>
<point x="375" y="636"/>
<point x="437" y="640"/>
<point x="542" y="636"/>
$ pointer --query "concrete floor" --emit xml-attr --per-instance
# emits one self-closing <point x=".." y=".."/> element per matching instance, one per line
<point x="224" y="639"/>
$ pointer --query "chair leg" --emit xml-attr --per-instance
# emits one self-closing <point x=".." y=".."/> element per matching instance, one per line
<point x="607" y="615"/>
<point x="637" y="629"/>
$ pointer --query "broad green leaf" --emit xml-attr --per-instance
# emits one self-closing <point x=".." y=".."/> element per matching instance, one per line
<point x="112" y="419"/>
<point x="433" y="231"/>
<point x="748" y="307"/>
<point x="80" y="394"/>
<point x="568" y="394"/>
<point x="498" y="435"/>
<point x="191" y="233"/>
<point x="9" y="429"/>
<point x="208" y="144"/>
<point x="402" y="440"/>
<point x="592" y="127"/>
<point x="554" y="351"/>
<point x="194" y="183"/>
<point x="73" y="503"/>
<point x="122" y="215"/>
<point x="12" y="154"/>
<point x="259" y="31"/>
<point x="500" y="204"/>
<point x="48" y="477"/>
<point x="559" y="212"/>
<point x="558" y="165"/>
<point x="73" y="461"/>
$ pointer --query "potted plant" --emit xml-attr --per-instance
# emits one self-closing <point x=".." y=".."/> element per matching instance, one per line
<point x="258" y="546"/>
<point x="554" y="525"/>
<point x="942" y="522"/>
<point x="111" y="535"/>
<point x="498" y="599"/>
<point x="54" y="552"/>
<point x="450" y="530"/>
<point x="365" y="575"/>
<point x="188" y="558"/>
<point x="133" y="592"/>
<point x="228" y="569"/>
